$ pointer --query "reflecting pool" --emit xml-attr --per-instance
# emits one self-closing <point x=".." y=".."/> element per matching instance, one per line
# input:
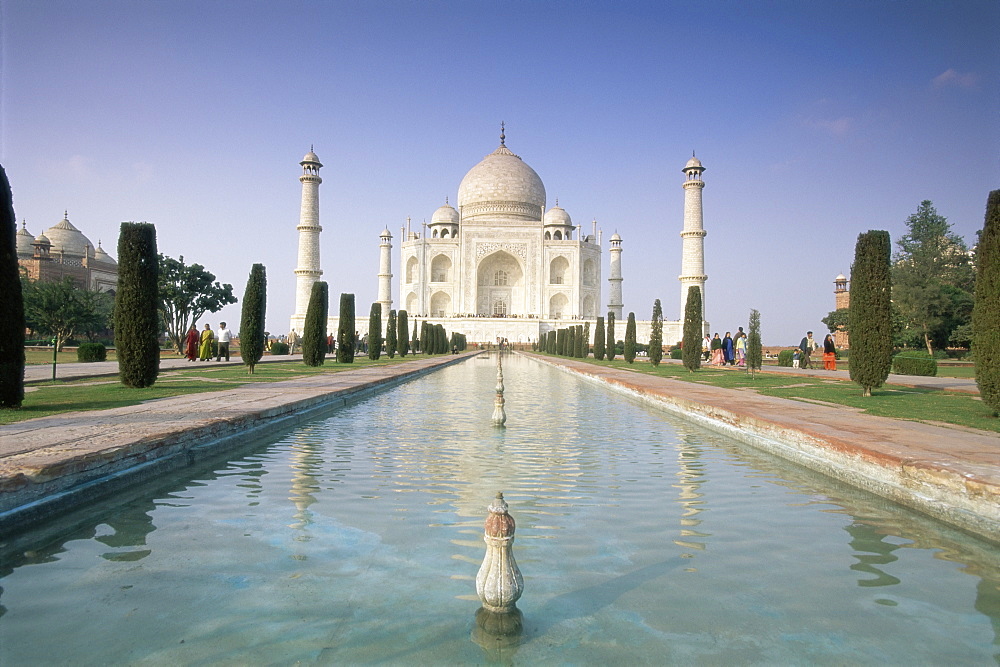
<point x="357" y="538"/>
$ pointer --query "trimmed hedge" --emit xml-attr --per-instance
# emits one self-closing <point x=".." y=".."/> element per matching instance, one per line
<point x="91" y="352"/>
<point x="914" y="362"/>
<point x="279" y="348"/>
<point x="785" y="358"/>
<point x="676" y="353"/>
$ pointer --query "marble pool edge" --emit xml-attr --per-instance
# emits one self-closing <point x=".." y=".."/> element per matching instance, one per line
<point x="97" y="453"/>
<point x="961" y="494"/>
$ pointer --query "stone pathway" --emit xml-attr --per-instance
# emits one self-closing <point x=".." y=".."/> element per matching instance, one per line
<point x="950" y="473"/>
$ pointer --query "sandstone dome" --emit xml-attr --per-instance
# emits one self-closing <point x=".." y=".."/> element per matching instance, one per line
<point x="102" y="256"/>
<point x="24" y="241"/>
<point x="502" y="184"/>
<point x="67" y="239"/>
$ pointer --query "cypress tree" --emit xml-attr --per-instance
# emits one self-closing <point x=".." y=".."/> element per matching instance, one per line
<point x="599" y="340"/>
<point x="693" y="330"/>
<point x="345" y="331"/>
<point x="629" y="350"/>
<point x="609" y="343"/>
<point x="137" y="322"/>
<point x="551" y="342"/>
<point x="414" y="342"/>
<point x="391" y="334"/>
<point x="441" y="339"/>
<point x="656" y="334"/>
<point x="869" y="316"/>
<point x="580" y="345"/>
<point x="586" y="340"/>
<point x="252" y="317"/>
<point x="571" y="342"/>
<point x="402" y="333"/>
<point x="755" y="356"/>
<point x="986" y="311"/>
<point x="375" y="332"/>
<point x="11" y="304"/>
<point x="425" y="338"/>
<point x="314" y="328"/>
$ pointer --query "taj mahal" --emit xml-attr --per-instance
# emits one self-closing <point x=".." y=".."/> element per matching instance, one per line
<point x="499" y="264"/>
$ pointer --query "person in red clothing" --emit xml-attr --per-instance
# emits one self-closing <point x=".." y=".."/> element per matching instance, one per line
<point x="191" y="343"/>
<point x="829" y="353"/>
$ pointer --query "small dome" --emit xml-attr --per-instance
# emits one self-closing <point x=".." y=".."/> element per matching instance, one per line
<point x="615" y="237"/>
<point x="840" y="277"/>
<point x="385" y="234"/>
<point x="68" y="239"/>
<point x="101" y="256"/>
<point x="693" y="163"/>
<point x="42" y="239"/>
<point x="445" y="215"/>
<point x="311" y="157"/>
<point x="557" y="216"/>
<point x="24" y="240"/>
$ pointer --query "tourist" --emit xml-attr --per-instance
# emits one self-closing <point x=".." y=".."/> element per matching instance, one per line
<point x="293" y="338"/>
<point x="205" y="349"/>
<point x="716" y="350"/>
<point x="829" y="353"/>
<point x="741" y="348"/>
<point x="806" y="347"/>
<point x="706" y="347"/>
<point x="729" y="357"/>
<point x="191" y="343"/>
<point x="224" y="336"/>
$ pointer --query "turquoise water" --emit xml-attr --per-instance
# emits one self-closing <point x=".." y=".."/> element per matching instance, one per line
<point x="641" y="538"/>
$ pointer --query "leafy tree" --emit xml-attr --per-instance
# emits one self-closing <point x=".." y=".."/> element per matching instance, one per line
<point x="62" y="310"/>
<point x="609" y="343"/>
<point x="870" y="315"/>
<point x="599" y="340"/>
<point x="11" y="304"/>
<point x="137" y="326"/>
<point x="252" y="334"/>
<point x="836" y="320"/>
<point x="693" y="330"/>
<point x="933" y="278"/>
<point x="986" y="314"/>
<point x="629" y="349"/>
<point x="656" y="334"/>
<point x="402" y="333"/>
<point x="314" y="328"/>
<point x="345" y="331"/>
<point x="375" y="331"/>
<point x="392" y="333"/>
<point x="755" y="356"/>
<point x="187" y="293"/>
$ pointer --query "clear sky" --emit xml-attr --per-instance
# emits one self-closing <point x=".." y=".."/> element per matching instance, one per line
<point x="815" y="120"/>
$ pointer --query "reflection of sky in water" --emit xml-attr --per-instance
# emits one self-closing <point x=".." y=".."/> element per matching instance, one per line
<point x="641" y="539"/>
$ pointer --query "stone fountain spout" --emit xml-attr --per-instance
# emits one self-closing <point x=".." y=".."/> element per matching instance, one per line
<point x="499" y="583"/>
<point x="499" y="416"/>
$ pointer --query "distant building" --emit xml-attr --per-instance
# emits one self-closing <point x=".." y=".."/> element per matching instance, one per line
<point x="62" y="251"/>
<point x="841" y="300"/>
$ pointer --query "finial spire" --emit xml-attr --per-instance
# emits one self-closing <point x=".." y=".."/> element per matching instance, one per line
<point x="692" y="153"/>
<point x="66" y="214"/>
<point x="557" y="201"/>
<point x="446" y="201"/>
<point x="311" y="148"/>
<point x="503" y="137"/>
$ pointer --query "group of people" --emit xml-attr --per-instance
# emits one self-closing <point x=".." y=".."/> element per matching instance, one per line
<point x="728" y="351"/>
<point x="801" y="357"/>
<point x="199" y="345"/>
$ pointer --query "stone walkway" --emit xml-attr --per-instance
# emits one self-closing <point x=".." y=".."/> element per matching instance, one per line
<point x="950" y="473"/>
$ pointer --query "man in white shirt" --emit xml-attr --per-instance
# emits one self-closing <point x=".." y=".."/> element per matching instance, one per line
<point x="223" y="336"/>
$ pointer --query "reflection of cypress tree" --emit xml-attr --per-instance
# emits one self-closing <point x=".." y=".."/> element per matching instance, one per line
<point x="879" y="552"/>
<point x="11" y="305"/>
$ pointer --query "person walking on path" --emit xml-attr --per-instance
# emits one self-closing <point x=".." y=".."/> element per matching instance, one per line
<point x="829" y="353"/>
<point x="225" y="336"/>
<point x="205" y="349"/>
<point x="728" y="354"/>
<point x="191" y="343"/>
<point x="741" y="348"/>
<point x="293" y="338"/>
<point x="716" y="350"/>
<point x="806" y="347"/>
<point x="706" y="347"/>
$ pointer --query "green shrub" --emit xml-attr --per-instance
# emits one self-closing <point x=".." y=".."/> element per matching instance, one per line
<point x="91" y="352"/>
<point x="940" y="354"/>
<point x="785" y="358"/>
<point x="279" y="348"/>
<point x="676" y="353"/>
<point x="914" y="362"/>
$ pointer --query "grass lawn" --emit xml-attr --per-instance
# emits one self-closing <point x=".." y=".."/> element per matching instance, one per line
<point x="51" y="398"/>
<point x="926" y="405"/>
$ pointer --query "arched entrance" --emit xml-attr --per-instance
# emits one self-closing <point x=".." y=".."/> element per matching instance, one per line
<point x="500" y="285"/>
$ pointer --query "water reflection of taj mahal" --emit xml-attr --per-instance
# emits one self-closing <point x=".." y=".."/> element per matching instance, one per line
<point x="498" y="264"/>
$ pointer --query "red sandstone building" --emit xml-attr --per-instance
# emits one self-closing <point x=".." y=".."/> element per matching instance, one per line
<point x="63" y="251"/>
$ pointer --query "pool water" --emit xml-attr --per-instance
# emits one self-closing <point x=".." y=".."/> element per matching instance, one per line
<point x="356" y="538"/>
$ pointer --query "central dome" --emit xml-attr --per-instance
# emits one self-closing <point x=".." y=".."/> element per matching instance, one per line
<point x="502" y="184"/>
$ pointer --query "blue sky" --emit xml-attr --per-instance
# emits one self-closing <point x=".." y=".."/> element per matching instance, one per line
<point x="816" y="121"/>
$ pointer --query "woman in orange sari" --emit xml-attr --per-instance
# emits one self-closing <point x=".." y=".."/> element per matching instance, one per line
<point x="191" y="343"/>
<point x="829" y="354"/>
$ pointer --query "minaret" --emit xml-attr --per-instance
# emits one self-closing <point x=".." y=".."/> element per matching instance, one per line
<point x="307" y="272"/>
<point x="693" y="236"/>
<point x="615" y="288"/>
<point x="385" y="276"/>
